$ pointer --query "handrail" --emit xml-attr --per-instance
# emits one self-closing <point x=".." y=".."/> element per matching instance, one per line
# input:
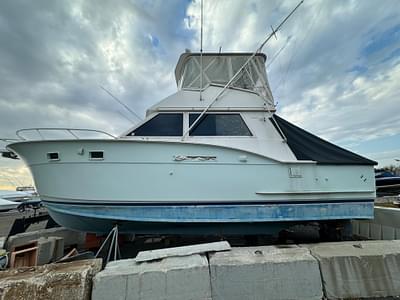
<point x="71" y="131"/>
<point x="9" y="140"/>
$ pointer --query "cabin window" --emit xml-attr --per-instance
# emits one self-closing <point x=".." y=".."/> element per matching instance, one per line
<point x="219" y="125"/>
<point x="161" y="125"/>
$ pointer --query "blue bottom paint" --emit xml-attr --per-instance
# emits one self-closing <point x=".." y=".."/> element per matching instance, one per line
<point x="177" y="218"/>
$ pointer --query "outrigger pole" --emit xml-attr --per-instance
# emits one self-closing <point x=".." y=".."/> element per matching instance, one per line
<point x="201" y="49"/>
<point x="273" y="33"/>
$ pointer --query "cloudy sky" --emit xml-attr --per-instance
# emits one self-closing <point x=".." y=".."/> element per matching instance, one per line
<point x="334" y="69"/>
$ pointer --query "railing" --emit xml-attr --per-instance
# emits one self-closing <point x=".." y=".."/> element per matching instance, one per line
<point x="7" y="140"/>
<point x="71" y="131"/>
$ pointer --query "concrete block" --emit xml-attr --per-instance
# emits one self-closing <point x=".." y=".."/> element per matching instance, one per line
<point x="169" y="279"/>
<point x="359" y="269"/>
<point x="58" y="248"/>
<point x="182" y="251"/>
<point x="364" y="228"/>
<point x="375" y="231"/>
<point x="388" y="233"/>
<point x="387" y="216"/>
<point x="55" y="281"/>
<point x="70" y="237"/>
<point x="45" y="250"/>
<point x="49" y="249"/>
<point x="355" y="227"/>
<point x="268" y="272"/>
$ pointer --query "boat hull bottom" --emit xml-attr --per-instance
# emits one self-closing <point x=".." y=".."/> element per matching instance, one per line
<point x="204" y="218"/>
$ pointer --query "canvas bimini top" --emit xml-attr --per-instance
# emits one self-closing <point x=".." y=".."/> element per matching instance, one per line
<point x="219" y="68"/>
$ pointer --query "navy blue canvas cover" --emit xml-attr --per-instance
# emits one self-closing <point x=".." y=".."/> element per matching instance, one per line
<point x="307" y="146"/>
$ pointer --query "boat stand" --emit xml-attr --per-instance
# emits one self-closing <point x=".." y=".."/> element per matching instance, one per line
<point x="113" y="248"/>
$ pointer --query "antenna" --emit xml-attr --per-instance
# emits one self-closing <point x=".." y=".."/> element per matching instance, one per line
<point x="122" y="103"/>
<point x="201" y="48"/>
<point x="273" y="33"/>
<point x="131" y="121"/>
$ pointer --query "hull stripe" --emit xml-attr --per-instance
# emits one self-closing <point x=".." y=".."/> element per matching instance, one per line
<point x="208" y="203"/>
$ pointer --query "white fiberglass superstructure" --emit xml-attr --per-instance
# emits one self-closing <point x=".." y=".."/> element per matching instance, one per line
<point x="214" y="161"/>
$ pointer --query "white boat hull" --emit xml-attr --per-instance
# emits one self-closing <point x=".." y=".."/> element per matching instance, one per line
<point x="150" y="182"/>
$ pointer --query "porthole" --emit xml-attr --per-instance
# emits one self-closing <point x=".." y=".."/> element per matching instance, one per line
<point x="96" y="155"/>
<point x="53" y="156"/>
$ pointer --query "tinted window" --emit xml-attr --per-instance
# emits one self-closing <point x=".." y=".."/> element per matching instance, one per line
<point x="219" y="124"/>
<point x="161" y="125"/>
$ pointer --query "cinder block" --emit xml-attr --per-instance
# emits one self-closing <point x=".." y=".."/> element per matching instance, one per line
<point x="169" y="279"/>
<point x="375" y="231"/>
<point x="65" y="281"/>
<point x="70" y="237"/>
<point x="45" y="250"/>
<point x="359" y="269"/>
<point x="388" y="233"/>
<point x="58" y="248"/>
<point x="364" y="228"/>
<point x="387" y="216"/>
<point x="355" y="227"/>
<point x="49" y="249"/>
<point x="269" y="272"/>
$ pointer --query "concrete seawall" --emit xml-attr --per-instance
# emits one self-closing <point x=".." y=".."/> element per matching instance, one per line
<point x="384" y="226"/>
<point x="271" y="272"/>
<point x="330" y="270"/>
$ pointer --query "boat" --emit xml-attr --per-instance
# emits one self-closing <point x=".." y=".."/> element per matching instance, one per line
<point x="387" y="183"/>
<point x="16" y="196"/>
<point x="6" y="205"/>
<point x="214" y="157"/>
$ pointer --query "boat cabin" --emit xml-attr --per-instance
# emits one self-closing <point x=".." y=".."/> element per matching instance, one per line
<point x="248" y="92"/>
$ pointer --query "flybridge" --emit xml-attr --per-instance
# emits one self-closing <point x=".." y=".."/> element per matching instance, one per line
<point x="219" y="68"/>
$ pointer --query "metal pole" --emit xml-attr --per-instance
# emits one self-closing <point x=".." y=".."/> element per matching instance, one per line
<point x="111" y="246"/>
<point x="240" y="70"/>
<point x="201" y="48"/>
<point x="116" y="243"/>
<point x="104" y="243"/>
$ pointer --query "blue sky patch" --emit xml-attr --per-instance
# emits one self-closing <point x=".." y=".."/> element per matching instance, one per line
<point x="358" y="69"/>
<point x="382" y="40"/>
